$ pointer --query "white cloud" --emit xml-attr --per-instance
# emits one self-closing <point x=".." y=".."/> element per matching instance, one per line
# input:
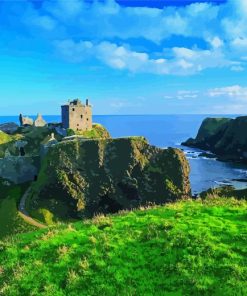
<point x="235" y="92"/>
<point x="216" y="42"/>
<point x="221" y="28"/>
<point x="237" y="68"/>
<point x="187" y="94"/>
<point x="177" y="61"/>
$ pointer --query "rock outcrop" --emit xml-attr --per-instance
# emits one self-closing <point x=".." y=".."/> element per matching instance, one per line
<point x="107" y="175"/>
<point x="227" y="138"/>
<point x="19" y="169"/>
<point x="9" y="127"/>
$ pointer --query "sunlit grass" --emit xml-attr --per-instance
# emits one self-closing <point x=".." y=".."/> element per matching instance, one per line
<point x="185" y="248"/>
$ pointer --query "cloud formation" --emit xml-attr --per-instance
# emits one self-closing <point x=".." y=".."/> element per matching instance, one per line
<point x="110" y="33"/>
<point x="181" y="61"/>
<point x="236" y="92"/>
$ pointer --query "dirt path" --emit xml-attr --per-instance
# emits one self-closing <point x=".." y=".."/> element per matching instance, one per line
<point x="24" y="214"/>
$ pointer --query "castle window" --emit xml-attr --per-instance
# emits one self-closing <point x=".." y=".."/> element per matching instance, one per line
<point x="73" y="109"/>
<point x="87" y="119"/>
<point x="81" y="116"/>
<point x="77" y="124"/>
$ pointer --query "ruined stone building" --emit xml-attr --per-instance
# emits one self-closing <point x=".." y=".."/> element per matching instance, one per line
<point x="77" y="116"/>
<point x="27" y="121"/>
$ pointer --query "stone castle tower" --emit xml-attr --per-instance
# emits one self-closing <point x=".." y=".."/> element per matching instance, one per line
<point x="77" y="116"/>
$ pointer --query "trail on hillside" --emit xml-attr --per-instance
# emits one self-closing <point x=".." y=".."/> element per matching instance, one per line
<point x="24" y="214"/>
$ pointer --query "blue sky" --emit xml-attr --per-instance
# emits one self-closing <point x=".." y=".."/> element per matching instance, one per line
<point x="127" y="57"/>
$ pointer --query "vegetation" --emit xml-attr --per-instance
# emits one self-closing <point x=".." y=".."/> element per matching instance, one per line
<point x="7" y="142"/>
<point x="225" y="191"/>
<point x="186" y="248"/>
<point x="224" y="137"/>
<point x="4" y="138"/>
<point x="34" y="136"/>
<point x="107" y="175"/>
<point x="10" y="221"/>
<point x="30" y="135"/>
<point x="210" y="126"/>
<point x="97" y="132"/>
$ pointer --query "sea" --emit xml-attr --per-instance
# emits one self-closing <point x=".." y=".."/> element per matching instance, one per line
<point x="170" y="131"/>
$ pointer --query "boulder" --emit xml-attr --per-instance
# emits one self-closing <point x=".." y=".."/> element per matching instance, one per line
<point x="19" y="169"/>
<point x="9" y="127"/>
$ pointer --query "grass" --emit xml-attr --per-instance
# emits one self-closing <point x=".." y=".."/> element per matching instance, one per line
<point x="186" y="248"/>
<point x="7" y="142"/>
<point x="10" y="222"/>
<point x="97" y="131"/>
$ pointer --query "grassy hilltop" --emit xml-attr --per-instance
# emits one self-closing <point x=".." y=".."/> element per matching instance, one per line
<point x="185" y="248"/>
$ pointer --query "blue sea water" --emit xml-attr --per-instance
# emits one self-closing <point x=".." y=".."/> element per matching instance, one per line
<point x="170" y="131"/>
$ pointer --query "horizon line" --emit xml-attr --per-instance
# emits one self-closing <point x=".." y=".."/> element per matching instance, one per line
<point x="147" y="114"/>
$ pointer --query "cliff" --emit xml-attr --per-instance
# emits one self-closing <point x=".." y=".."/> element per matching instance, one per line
<point x="20" y="151"/>
<point x="107" y="175"/>
<point x="227" y="138"/>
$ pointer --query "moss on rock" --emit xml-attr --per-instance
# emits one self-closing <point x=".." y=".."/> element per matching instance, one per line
<point x="98" y="131"/>
<point x="225" y="137"/>
<point x="107" y="175"/>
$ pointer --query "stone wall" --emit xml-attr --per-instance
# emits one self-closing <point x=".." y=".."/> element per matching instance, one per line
<point x="77" y="116"/>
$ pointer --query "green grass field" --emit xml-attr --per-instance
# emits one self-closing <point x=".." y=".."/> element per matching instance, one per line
<point x="186" y="248"/>
<point x="10" y="222"/>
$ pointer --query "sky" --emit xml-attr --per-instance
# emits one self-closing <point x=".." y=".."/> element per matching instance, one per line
<point x="126" y="57"/>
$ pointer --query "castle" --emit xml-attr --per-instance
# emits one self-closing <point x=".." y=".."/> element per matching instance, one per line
<point x="77" y="116"/>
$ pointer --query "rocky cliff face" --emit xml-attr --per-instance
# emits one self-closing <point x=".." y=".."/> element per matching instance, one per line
<point x="108" y="175"/>
<point x="225" y="137"/>
<point x="19" y="169"/>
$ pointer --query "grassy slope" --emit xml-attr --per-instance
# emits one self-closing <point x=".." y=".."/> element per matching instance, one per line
<point x="7" y="141"/>
<point x="98" y="131"/>
<point x="186" y="248"/>
<point x="10" y="222"/>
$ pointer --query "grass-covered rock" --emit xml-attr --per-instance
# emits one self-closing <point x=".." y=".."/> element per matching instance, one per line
<point x="90" y="176"/>
<point x="225" y="137"/>
<point x="186" y="248"/>
<point x="7" y="142"/>
<point x="34" y="136"/>
<point x="29" y="138"/>
<point x="98" y="131"/>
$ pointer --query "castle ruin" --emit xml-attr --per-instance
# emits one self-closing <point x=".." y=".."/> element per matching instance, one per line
<point x="77" y="116"/>
<point x="27" y="121"/>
